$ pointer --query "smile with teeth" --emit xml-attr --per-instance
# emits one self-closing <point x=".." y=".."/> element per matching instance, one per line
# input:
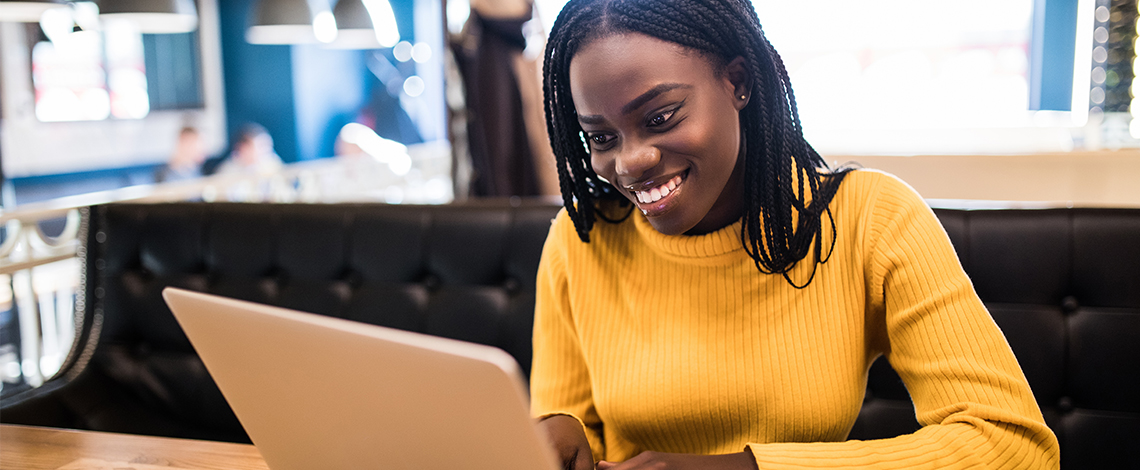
<point x="656" y="194"/>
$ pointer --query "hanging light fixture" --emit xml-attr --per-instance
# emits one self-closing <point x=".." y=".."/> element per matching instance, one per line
<point x="26" y="11"/>
<point x="153" y="16"/>
<point x="291" y="22"/>
<point x="365" y="24"/>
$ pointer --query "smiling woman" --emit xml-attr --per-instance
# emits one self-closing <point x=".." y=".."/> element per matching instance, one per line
<point x="726" y="311"/>
<point x="663" y="129"/>
<point x="745" y="65"/>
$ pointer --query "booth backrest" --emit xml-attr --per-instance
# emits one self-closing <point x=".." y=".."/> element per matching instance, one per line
<point x="465" y="272"/>
<point x="1063" y="284"/>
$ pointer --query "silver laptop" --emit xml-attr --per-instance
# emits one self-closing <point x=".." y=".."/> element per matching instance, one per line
<point x="319" y="392"/>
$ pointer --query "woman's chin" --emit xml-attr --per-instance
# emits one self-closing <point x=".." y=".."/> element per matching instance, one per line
<point x="670" y="224"/>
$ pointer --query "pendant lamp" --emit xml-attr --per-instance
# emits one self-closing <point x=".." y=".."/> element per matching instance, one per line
<point x="291" y="22"/>
<point x="26" y="11"/>
<point x="153" y="16"/>
<point x="365" y="24"/>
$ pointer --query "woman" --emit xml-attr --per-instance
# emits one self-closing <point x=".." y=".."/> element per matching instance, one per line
<point x="712" y="296"/>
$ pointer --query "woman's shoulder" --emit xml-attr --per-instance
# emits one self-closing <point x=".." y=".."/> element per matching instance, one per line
<point x="608" y="217"/>
<point x="564" y="249"/>
<point x="563" y="234"/>
<point x="864" y="186"/>
<point x="871" y="179"/>
<point x="870" y="200"/>
<point x="562" y="226"/>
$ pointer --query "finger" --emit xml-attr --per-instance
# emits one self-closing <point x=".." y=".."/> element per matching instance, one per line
<point x="603" y="465"/>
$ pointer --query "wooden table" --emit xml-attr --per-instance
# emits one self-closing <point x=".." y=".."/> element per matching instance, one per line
<point x="35" y="448"/>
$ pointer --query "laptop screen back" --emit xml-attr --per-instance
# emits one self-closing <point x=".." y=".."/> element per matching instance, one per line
<point x="320" y="392"/>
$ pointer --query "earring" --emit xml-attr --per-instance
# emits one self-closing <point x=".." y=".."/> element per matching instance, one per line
<point x="743" y="97"/>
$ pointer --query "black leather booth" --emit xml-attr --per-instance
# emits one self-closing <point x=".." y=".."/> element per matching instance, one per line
<point x="1064" y="285"/>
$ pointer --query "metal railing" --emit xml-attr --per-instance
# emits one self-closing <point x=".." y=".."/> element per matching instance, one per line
<point x="39" y="283"/>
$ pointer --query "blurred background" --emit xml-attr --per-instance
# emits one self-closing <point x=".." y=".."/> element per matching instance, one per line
<point x="446" y="94"/>
<point x="975" y="103"/>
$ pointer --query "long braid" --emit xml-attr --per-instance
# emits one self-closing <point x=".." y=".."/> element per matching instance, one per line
<point x="785" y="178"/>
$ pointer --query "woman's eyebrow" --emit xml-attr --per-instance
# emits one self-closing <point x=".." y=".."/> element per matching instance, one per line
<point x="649" y="95"/>
<point x="636" y="102"/>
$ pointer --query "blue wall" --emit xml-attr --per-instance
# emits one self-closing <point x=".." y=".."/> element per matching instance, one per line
<point x="258" y="80"/>
<point x="301" y="94"/>
<point x="330" y="86"/>
<point x="1051" y="54"/>
<point x="329" y="89"/>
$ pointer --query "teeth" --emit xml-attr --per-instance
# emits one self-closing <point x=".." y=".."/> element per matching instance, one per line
<point x="655" y="194"/>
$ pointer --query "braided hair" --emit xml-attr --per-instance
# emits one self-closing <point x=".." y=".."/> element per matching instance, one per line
<point x="720" y="30"/>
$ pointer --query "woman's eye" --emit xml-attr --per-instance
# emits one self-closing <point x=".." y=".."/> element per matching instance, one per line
<point x="600" y="139"/>
<point x="661" y="119"/>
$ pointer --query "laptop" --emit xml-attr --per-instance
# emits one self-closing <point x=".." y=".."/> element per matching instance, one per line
<point x="314" y="391"/>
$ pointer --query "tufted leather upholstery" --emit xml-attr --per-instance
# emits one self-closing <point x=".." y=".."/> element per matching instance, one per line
<point x="464" y="272"/>
<point x="1063" y="284"/>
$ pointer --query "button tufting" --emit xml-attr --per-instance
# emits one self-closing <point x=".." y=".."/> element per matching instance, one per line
<point x="1065" y="405"/>
<point x="270" y="287"/>
<point x="353" y="278"/>
<point x="431" y="282"/>
<point x="1069" y="304"/>
<point x="100" y="236"/>
<point x="511" y="285"/>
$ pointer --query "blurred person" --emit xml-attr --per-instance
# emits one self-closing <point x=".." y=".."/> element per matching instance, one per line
<point x="186" y="161"/>
<point x="252" y="152"/>
<point x="499" y="141"/>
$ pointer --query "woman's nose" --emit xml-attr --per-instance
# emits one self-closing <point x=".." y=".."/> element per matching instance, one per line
<point x="635" y="160"/>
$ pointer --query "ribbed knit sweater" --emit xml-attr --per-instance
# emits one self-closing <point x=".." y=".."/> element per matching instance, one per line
<point x="679" y="344"/>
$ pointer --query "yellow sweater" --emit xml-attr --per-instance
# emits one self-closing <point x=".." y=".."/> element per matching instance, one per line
<point x="679" y="344"/>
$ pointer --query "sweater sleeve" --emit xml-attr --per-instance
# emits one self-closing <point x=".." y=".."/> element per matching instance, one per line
<point x="969" y="392"/>
<point x="560" y="380"/>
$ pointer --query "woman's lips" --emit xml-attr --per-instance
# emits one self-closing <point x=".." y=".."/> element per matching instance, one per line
<point x="656" y="194"/>
<point x="655" y="200"/>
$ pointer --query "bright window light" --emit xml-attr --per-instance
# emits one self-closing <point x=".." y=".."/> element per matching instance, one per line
<point x="907" y="77"/>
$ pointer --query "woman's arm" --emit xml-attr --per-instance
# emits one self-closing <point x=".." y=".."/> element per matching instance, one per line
<point x="968" y="389"/>
<point x="560" y="381"/>
<point x="568" y="438"/>
<point x="666" y="461"/>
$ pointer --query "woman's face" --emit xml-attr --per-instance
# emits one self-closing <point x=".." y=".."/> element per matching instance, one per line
<point x="663" y="127"/>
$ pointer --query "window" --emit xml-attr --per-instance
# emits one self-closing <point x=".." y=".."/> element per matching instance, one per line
<point x="922" y="77"/>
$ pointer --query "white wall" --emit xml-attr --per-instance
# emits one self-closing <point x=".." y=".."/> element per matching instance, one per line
<point x="1084" y="179"/>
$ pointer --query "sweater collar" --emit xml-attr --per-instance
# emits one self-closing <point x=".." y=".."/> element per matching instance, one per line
<point x="714" y="244"/>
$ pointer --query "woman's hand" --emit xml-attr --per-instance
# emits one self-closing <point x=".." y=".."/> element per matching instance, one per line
<point x="664" y="461"/>
<point x="568" y="438"/>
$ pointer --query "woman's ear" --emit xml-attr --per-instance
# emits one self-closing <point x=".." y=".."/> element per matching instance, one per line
<point x="741" y="81"/>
